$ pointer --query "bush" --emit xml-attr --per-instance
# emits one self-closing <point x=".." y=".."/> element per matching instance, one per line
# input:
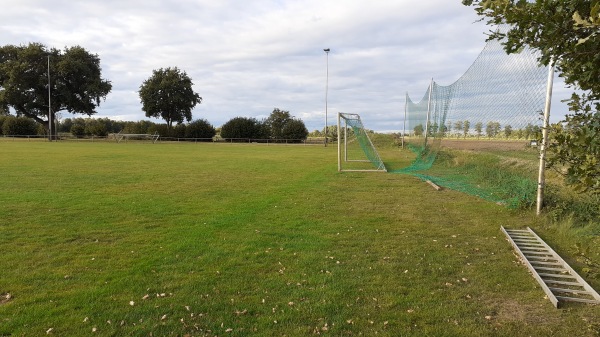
<point x="139" y="127"/>
<point x="2" y="119"/>
<point x="242" y="127"/>
<point x="65" y="125"/>
<point x="294" y="129"/>
<point x="78" y="127"/>
<point x="200" y="128"/>
<point x="19" y="126"/>
<point x="161" y="129"/>
<point x="562" y="202"/>
<point x="94" y="127"/>
<point x="179" y="130"/>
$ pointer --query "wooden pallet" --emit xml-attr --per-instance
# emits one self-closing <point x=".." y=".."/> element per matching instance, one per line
<point x="558" y="280"/>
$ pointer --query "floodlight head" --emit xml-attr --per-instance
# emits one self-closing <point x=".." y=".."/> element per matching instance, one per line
<point x="326" y="50"/>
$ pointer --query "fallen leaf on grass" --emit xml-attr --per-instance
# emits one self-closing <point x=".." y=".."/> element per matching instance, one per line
<point x="238" y="313"/>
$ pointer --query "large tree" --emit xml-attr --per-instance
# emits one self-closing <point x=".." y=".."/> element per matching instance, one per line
<point x="295" y="130"/>
<point x="76" y="84"/>
<point x="168" y="94"/>
<point x="276" y="122"/>
<point x="565" y="32"/>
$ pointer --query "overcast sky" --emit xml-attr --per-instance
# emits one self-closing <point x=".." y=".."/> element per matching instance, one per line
<point x="248" y="57"/>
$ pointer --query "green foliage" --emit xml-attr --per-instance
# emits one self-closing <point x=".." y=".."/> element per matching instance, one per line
<point x="2" y="119"/>
<point x="168" y="94"/>
<point x="95" y="127"/>
<point x="75" y="80"/>
<point x="200" y="128"/>
<point x="479" y="129"/>
<point x="276" y="122"/>
<point x="492" y="129"/>
<point x="458" y="126"/>
<point x="138" y="127"/>
<point x="508" y="131"/>
<point x="466" y="128"/>
<point x="566" y="33"/>
<point x="563" y="204"/>
<point x="418" y="130"/>
<point x="110" y="125"/>
<point x="65" y="125"/>
<point x="574" y="150"/>
<point x="78" y="127"/>
<point x="82" y="127"/>
<point x="19" y="126"/>
<point x="295" y="130"/>
<point x="242" y="127"/>
<point x="331" y="132"/>
<point x="179" y="131"/>
<point x="281" y="125"/>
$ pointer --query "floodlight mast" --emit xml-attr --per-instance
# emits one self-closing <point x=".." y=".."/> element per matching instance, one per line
<point x="404" y="124"/>
<point x="49" y="104"/>
<point x="326" y="50"/>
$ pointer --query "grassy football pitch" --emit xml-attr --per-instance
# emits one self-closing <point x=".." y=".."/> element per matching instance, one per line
<point x="184" y="239"/>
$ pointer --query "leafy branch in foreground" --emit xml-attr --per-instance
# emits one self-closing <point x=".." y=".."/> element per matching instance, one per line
<point x="565" y="32"/>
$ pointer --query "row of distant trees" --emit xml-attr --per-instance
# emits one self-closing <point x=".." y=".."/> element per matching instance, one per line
<point x="39" y="82"/>
<point x="278" y="126"/>
<point x="492" y="129"/>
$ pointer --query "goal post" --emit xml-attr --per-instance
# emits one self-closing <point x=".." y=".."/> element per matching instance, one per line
<point x="355" y="146"/>
<point x="141" y="136"/>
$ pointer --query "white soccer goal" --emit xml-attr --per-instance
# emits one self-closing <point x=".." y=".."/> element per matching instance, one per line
<point x="355" y="146"/>
<point x="139" y="136"/>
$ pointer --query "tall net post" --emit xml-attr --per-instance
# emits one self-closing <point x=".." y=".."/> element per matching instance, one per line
<point x="542" y="168"/>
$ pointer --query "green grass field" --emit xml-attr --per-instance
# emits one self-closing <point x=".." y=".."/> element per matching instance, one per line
<point x="186" y="239"/>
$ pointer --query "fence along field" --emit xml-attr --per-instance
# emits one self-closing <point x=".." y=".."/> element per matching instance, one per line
<point x="232" y="239"/>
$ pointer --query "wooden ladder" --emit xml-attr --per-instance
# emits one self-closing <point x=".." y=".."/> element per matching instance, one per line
<point x="558" y="280"/>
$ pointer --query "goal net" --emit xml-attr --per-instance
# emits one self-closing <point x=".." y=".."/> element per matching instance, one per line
<point x="356" y="151"/>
